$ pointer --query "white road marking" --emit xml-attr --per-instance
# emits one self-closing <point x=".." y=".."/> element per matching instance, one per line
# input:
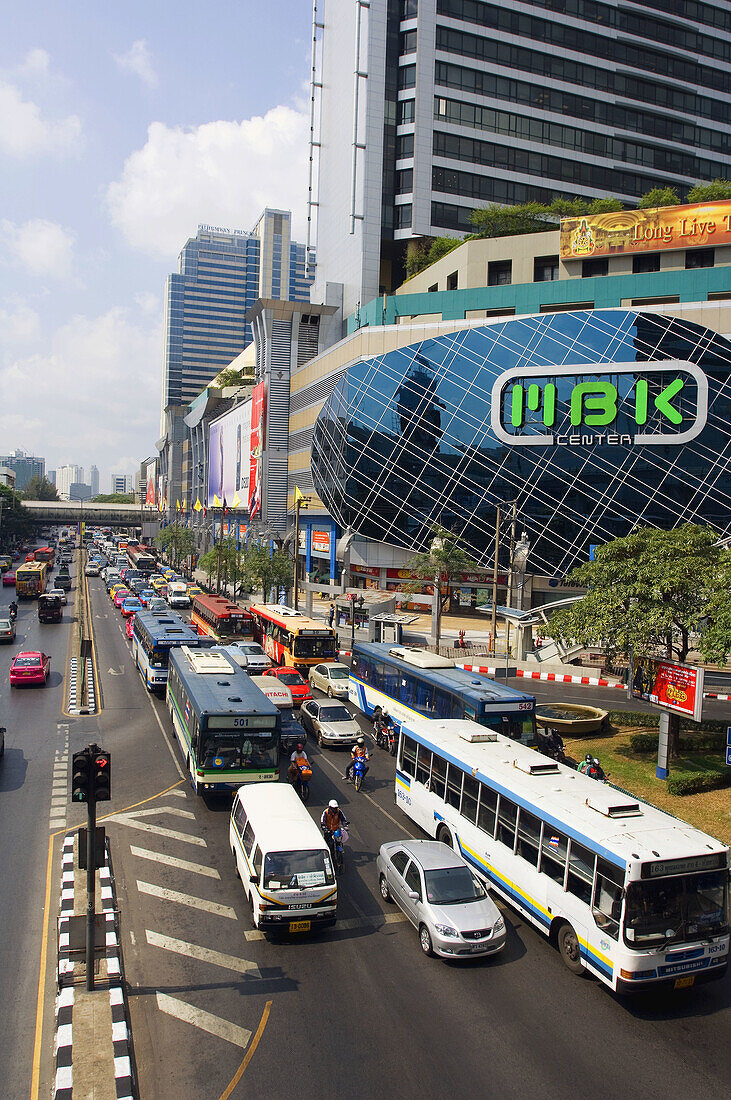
<point x="204" y="954"/>
<point x="187" y="899"/>
<point x="343" y="925"/>
<point x="132" y="939"/>
<point x="206" y="1021"/>
<point x="173" y="861"/>
<point x="175" y="810"/>
<point x="171" y="834"/>
<point x="178" y="793"/>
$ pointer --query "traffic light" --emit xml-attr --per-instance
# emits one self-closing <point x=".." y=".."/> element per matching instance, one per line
<point x="81" y="776"/>
<point x="102" y="776"/>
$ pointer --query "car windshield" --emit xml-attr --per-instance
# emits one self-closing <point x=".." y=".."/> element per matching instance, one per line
<point x="296" y="870"/>
<point x="290" y="678"/>
<point x="5" y="624"/>
<point x="251" y="650"/>
<point x="27" y="662"/>
<point x="226" y="749"/>
<point x="338" y="673"/>
<point x="452" y="886"/>
<point x="673" y="910"/>
<point x="335" y="714"/>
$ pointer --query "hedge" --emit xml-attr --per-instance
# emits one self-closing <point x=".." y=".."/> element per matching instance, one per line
<point x="645" y="718"/>
<point x="709" y="741"/>
<point x="693" y="782"/>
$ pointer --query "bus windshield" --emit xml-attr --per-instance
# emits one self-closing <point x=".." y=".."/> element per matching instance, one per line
<point x="307" y="646"/>
<point x="674" y="910"/>
<point x="222" y="749"/>
<point x="159" y="657"/>
<point x="518" y="727"/>
<point x="295" y="870"/>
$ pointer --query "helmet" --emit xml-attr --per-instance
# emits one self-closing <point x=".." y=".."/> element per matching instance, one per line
<point x="360" y="741"/>
<point x="595" y="762"/>
<point x="300" y="746"/>
<point x="333" y="804"/>
<point x="589" y="758"/>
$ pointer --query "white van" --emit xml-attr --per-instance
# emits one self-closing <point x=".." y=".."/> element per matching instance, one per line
<point x="282" y="860"/>
<point x="178" y="594"/>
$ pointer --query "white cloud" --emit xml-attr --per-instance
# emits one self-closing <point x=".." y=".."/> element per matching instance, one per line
<point x="25" y="133"/>
<point x="148" y="302"/>
<point x="220" y="173"/>
<point x="42" y="247"/>
<point x="87" y="365"/>
<point x="138" y="61"/>
<point x="36" y="63"/>
<point x="19" y="323"/>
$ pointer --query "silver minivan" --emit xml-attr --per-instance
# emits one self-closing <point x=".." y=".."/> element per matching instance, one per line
<point x="436" y="889"/>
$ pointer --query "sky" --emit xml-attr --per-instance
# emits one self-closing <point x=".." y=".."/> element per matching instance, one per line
<point x="122" y="127"/>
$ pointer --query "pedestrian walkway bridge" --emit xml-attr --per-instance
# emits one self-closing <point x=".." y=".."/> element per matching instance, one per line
<point x="69" y="512"/>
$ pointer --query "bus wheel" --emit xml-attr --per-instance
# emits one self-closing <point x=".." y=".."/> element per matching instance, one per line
<point x="568" y="945"/>
<point x="444" y="835"/>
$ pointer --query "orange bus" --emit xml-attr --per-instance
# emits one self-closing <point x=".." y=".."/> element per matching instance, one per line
<point x="30" y="579"/>
<point x="220" y="619"/>
<point x="290" y="638"/>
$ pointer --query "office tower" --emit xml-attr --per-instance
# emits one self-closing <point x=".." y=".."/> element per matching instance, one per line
<point x="426" y="110"/>
<point x="51" y="475"/>
<point x="94" y="481"/>
<point x="122" y="483"/>
<point x="66" y="476"/>
<point x="26" y="466"/>
<point x="221" y="274"/>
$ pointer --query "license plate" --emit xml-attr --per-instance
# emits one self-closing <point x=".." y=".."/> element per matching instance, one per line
<point x="683" y="983"/>
<point x="300" y="925"/>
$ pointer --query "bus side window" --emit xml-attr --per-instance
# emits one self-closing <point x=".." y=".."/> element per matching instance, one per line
<point x="554" y="850"/>
<point x="608" y="892"/>
<point x="454" y="786"/>
<point x="423" y="765"/>
<point x="408" y="690"/>
<point x="488" y="805"/>
<point x="529" y="836"/>
<point x="507" y="814"/>
<point x="408" y="756"/>
<point x="356" y="666"/>
<point x="470" y="791"/>
<point x="438" y="775"/>
<point x="424" y="698"/>
<point x="442" y="705"/>
<point x="581" y="871"/>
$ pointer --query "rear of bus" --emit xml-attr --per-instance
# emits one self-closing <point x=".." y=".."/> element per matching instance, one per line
<point x="282" y="859"/>
<point x="30" y="580"/>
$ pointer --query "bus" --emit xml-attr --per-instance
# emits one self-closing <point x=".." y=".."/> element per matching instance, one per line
<point x="154" y="634"/>
<point x="228" y="731"/>
<point x="289" y="638"/>
<point x="142" y="559"/>
<point x="220" y="619"/>
<point x="30" y="579"/>
<point x="47" y="554"/>
<point x="412" y="682"/>
<point x="625" y="891"/>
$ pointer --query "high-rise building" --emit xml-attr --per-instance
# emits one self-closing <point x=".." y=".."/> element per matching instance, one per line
<point x="221" y="274"/>
<point x="94" y="481"/>
<point x="122" y="483"/>
<point x="428" y="109"/>
<point x="66" y="476"/>
<point x="26" y="466"/>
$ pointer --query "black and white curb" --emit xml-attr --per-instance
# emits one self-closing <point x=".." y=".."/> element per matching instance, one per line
<point x="90" y="692"/>
<point x="63" y="1083"/>
<point x="73" y="684"/>
<point x="121" y="1039"/>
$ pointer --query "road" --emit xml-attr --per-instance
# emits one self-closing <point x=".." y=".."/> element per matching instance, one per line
<point x="359" y="1010"/>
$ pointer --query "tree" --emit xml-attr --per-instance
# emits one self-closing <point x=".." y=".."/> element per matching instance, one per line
<point x="15" y="525"/>
<point x="715" y="640"/>
<point x="269" y="572"/>
<point x="113" y="498"/>
<point x="230" y="377"/>
<point x="716" y="191"/>
<point x="40" y="488"/>
<point x="440" y="564"/>
<point x="176" y="542"/>
<point x="648" y="592"/>
<point x="659" y="196"/>
<point x="425" y="251"/>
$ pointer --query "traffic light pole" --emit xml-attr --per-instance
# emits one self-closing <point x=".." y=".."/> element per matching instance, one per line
<point x="90" y="889"/>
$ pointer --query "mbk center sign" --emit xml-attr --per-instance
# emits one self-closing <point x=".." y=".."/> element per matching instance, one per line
<point x="588" y="404"/>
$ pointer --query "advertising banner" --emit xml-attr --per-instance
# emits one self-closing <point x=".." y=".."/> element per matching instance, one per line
<point x="698" y="226"/>
<point x="228" y="457"/>
<point x="321" y="542"/>
<point x="676" y="687"/>
<point x="256" y="449"/>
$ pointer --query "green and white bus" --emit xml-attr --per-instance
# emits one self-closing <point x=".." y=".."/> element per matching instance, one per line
<point x="625" y="891"/>
<point x="227" y="729"/>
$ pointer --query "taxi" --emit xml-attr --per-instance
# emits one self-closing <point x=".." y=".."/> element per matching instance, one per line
<point x="168" y="573"/>
<point x="294" y="680"/>
<point x="30" y="667"/>
<point x="115" y="589"/>
<point x="194" y="590"/>
<point x="121" y="595"/>
<point x="158" y="584"/>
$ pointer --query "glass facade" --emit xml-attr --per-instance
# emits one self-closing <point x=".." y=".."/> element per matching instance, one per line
<point x="591" y="421"/>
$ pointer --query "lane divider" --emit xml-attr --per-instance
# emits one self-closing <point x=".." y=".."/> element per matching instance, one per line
<point x="64" y="1078"/>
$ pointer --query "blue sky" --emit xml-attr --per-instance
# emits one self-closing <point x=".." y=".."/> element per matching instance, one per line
<point x="122" y="126"/>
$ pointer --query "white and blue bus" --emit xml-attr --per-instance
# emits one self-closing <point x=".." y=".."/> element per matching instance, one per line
<point x="227" y="729"/>
<point x="627" y="892"/>
<point x="411" y="682"/>
<point x="154" y="634"/>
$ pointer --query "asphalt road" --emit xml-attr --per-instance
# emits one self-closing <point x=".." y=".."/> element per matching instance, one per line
<point x="36" y="733"/>
<point x="359" y="1010"/>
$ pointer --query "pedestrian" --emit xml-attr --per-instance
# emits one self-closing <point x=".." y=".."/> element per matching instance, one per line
<point x="331" y="615"/>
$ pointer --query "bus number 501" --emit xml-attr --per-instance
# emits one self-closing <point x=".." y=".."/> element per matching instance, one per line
<point x="241" y="721"/>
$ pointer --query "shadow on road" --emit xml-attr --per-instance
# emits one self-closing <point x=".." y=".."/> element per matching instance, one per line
<point x="13" y="767"/>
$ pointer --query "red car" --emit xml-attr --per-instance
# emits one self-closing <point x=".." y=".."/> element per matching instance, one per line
<point x="120" y="596"/>
<point x="9" y="578"/>
<point x="295" y="682"/>
<point x="128" y="626"/>
<point x="30" y="667"/>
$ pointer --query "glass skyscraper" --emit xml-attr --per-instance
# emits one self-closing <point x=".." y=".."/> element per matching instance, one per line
<point x="449" y="105"/>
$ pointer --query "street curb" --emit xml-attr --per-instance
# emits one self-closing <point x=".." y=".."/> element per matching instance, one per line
<point x="73" y="679"/>
<point x="63" y="1082"/>
<point x="555" y="677"/>
<point x="121" y="1035"/>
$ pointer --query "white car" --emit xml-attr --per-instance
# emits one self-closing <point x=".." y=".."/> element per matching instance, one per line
<point x="92" y="570"/>
<point x="331" y="678"/>
<point x="249" y="655"/>
<point x="60" y="593"/>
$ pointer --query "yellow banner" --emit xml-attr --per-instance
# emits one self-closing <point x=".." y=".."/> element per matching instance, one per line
<point x="700" y="226"/>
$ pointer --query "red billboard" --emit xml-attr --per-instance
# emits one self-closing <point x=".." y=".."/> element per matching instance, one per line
<point x="257" y="448"/>
<point x="676" y="687"/>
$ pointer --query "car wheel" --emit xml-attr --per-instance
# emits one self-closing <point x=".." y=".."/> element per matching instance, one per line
<point x="329" y="692"/>
<point x="425" y="940"/>
<point x="568" y="945"/>
<point x="385" y="892"/>
<point x="320" y="741"/>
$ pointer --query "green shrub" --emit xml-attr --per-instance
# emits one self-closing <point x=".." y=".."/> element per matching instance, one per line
<point x="694" y="782"/>
<point x="704" y="741"/>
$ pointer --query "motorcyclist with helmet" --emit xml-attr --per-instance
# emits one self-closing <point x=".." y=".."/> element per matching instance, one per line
<point x="332" y="818"/>
<point x="358" y="751"/>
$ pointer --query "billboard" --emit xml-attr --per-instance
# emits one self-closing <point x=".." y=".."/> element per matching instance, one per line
<point x="321" y="542"/>
<point x="258" y="428"/>
<point x="228" y="457"/>
<point x="675" y="687"/>
<point x="150" y="483"/>
<point x="699" y="226"/>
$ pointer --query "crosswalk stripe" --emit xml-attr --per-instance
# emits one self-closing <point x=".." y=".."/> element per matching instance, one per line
<point x="204" y="954"/>
<point x="342" y="925"/>
<point x="152" y="811"/>
<point x="158" y="830"/>
<point x="178" y="793"/>
<point x="187" y="899"/>
<point x="206" y="1021"/>
<point x="173" y="861"/>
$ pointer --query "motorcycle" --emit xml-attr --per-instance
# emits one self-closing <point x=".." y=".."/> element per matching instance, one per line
<point x="13" y="613"/>
<point x="385" y="735"/>
<point x="550" y="744"/>
<point x="301" y="781"/>
<point x="336" y="843"/>
<point x="360" y="767"/>
<point x="596" y="771"/>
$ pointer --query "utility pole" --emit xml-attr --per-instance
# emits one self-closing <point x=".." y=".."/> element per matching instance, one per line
<point x="493" y="624"/>
<point x="299" y="500"/>
<point x="509" y="599"/>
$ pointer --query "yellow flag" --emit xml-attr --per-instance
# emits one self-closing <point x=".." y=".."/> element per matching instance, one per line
<point x="298" y="496"/>
<point x="177" y="505"/>
<point x="198" y="507"/>
<point x="236" y="502"/>
<point x="216" y="501"/>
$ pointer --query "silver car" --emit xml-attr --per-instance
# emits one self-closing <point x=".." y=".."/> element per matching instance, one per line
<point x="249" y="655"/>
<point x="7" y="630"/>
<point x="329" y="723"/>
<point x="331" y="678"/>
<point x="435" y="887"/>
<point x="60" y="593"/>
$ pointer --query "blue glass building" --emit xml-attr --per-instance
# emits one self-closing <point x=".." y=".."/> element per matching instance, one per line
<point x="592" y="421"/>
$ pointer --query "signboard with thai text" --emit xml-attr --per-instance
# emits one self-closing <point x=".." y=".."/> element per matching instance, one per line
<point x="675" y="687"/>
